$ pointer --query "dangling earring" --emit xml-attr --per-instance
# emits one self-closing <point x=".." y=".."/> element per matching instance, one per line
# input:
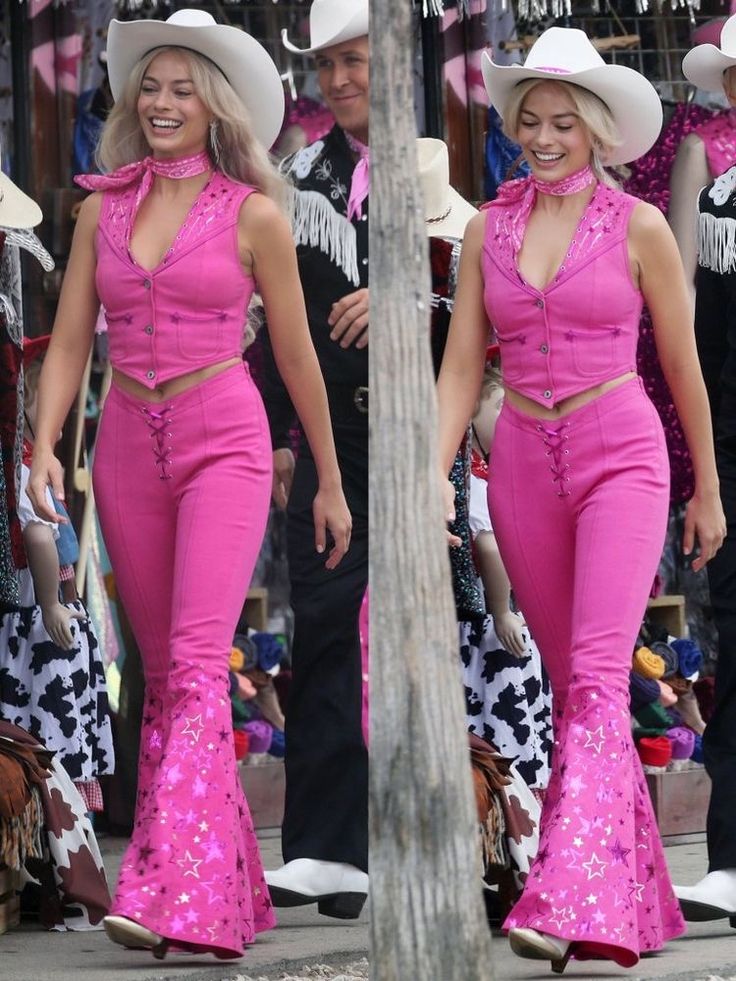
<point x="214" y="142"/>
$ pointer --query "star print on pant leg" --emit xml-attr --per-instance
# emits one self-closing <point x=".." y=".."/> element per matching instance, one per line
<point x="189" y="864"/>
<point x="594" y="866"/>
<point x="193" y="727"/>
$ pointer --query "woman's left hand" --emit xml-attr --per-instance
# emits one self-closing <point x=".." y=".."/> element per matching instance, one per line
<point x="704" y="520"/>
<point x="331" y="514"/>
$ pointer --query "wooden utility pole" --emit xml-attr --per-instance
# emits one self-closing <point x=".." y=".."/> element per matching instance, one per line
<point x="428" y="921"/>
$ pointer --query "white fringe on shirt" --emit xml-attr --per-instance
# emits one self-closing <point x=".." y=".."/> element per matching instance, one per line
<point x="316" y="223"/>
<point x="717" y="243"/>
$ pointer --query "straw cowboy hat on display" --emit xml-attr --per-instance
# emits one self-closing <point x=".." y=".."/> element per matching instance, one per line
<point x="243" y="61"/>
<point x="704" y="65"/>
<point x="332" y="22"/>
<point x="566" y="54"/>
<point x="17" y="210"/>
<point x="445" y="213"/>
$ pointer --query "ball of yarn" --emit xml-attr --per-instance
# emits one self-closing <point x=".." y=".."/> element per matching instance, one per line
<point x="648" y="664"/>
<point x="690" y="656"/>
<point x="240" y="741"/>
<point x="259" y="735"/>
<point x="668" y="655"/>
<point x="249" y="649"/>
<point x="278" y="744"/>
<point x="643" y="691"/>
<point x="678" y="684"/>
<point x="682" y="740"/>
<point x="237" y="659"/>
<point x="270" y="651"/>
<point x="654" y="750"/>
<point x="654" y="716"/>
<point x="704" y="689"/>
<point x="697" y="754"/>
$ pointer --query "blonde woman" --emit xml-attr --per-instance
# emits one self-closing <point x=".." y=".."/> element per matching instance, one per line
<point x="560" y="265"/>
<point x="173" y="244"/>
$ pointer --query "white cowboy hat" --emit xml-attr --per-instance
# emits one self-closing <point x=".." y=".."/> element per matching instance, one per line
<point x="446" y="213"/>
<point x="705" y="64"/>
<point x="332" y="22"/>
<point x="566" y="54"/>
<point x="17" y="210"/>
<point x="243" y="61"/>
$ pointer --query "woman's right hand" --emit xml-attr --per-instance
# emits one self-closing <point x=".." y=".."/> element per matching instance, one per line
<point x="46" y="471"/>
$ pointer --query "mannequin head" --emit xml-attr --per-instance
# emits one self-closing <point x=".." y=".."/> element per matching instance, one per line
<point x="729" y="85"/>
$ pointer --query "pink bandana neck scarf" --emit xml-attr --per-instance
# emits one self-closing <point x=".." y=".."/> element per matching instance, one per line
<point x="360" y="183"/>
<point x="525" y="191"/>
<point x="145" y="170"/>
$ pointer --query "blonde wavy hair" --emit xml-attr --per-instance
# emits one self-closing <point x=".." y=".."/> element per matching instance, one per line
<point x="592" y="112"/>
<point x="242" y="157"/>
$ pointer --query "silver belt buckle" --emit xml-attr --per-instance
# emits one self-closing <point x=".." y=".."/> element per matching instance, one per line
<point x="360" y="399"/>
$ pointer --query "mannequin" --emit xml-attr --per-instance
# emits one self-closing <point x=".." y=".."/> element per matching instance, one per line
<point x="703" y="155"/>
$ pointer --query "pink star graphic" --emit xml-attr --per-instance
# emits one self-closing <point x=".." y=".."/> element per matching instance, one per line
<point x="618" y="852"/>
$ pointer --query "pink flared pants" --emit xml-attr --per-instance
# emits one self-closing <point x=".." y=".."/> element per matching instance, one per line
<point x="579" y="507"/>
<point x="182" y="492"/>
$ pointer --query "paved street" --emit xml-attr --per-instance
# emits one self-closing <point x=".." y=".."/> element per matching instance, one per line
<point x="303" y="938"/>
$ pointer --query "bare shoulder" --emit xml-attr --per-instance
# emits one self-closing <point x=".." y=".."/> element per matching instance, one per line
<point x="475" y="231"/>
<point x="89" y="211"/>
<point x="261" y="215"/>
<point x="647" y="223"/>
<point x="476" y="228"/>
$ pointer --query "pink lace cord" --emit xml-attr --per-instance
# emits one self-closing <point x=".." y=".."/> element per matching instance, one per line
<point x="158" y="423"/>
<point x="554" y="440"/>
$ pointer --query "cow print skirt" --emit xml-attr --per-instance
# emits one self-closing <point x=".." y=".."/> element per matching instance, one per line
<point x="59" y="696"/>
<point x="507" y="700"/>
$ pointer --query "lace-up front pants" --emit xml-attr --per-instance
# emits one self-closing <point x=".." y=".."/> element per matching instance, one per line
<point x="579" y="507"/>
<point x="182" y="491"/>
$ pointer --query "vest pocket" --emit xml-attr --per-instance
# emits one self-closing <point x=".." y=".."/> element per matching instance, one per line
<point x="512" y="355"/>
<point x="593" y="351"/>
<point x="119" y="330"/>
<point x="200" y="340"/>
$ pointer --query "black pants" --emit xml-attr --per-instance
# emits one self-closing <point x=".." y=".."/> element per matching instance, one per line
<point x="720" y="734"/>
<point x="326" y="814"/>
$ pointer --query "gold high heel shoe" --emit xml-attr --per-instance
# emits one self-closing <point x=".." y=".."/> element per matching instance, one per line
<point x="534" y="945"/>
<point x="134" y="935"/>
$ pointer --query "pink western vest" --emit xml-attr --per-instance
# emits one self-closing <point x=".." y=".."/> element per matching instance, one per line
<point x="188" y="312"/>
<point x="582" y="328"/>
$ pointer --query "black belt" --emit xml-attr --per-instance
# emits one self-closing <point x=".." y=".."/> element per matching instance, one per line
<point x="347" y="401"/>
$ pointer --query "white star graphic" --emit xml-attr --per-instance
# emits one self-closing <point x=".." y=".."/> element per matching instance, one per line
<point x="594" y="866"/>
<point x="595" y="739"/>
<point x="196" y="732"/>
<point x="558" y="917"/>
<point x="189" y="860"/>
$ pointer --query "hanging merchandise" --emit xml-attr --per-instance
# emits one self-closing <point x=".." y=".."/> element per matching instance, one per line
<point x="542" y="10"/>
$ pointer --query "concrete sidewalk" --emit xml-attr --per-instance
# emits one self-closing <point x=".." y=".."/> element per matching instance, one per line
<point x="303" y="937"/>
<point x="28" y="953"/>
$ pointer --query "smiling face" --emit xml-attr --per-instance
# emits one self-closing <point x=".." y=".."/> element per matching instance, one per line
<point x="174" y="120"/>
<point x="555" y="141"/>
<point x="342" y="73"/>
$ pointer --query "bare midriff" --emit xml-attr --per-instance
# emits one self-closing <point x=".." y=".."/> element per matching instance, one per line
<point x="565" y="406"/>
<point x="175" y="386"/>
